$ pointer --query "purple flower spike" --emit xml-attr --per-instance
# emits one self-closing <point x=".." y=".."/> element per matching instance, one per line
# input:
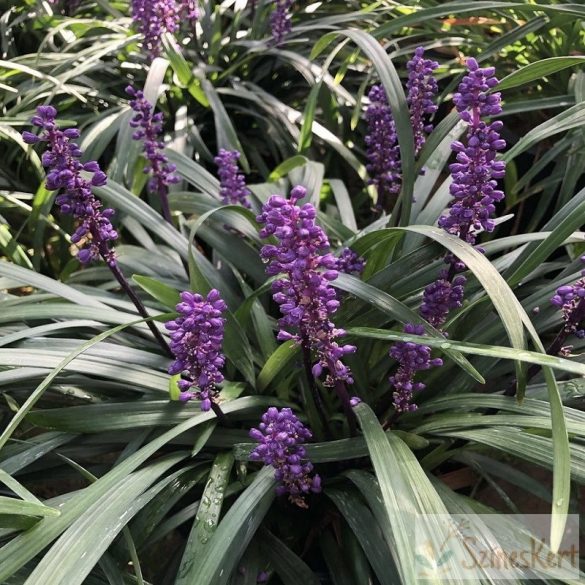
<point x="476" y="171"/>
<point x="569" y="298"/>
<point x="422" y="89"/>
<point x="382" y="147"/>
<point x="475" y="176"/>
<point x="280" y="20"/>
<point x="280" y="436"/>
<point x="233" y="188"/>
<point x="153" y="18"/>
<point x="196" y="343"/>
<point x="349" y="262"/>
<point x="149" y="128"/>
<point x="64" y="173"/>
<point x="411" y="358"/>
<point x="305" y="295"/>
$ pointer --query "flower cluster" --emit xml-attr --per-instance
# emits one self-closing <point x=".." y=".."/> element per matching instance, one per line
<point x="349" y="262"/>
<point x="411" y="358"/>
<point x="281" y="436"/>
<point x="382" y="146"/>
<point x="232" y="183"/>
<point x="280" y="20"/>
<point x="153" y="18"/>
<point x="149" y="128"/>
<point x="196" y="342"/>
<point x="95" y="231"/>
<point x="422" y="89"/>
<point x="475" y="174"/>
<point x="383" y="152"/>
<point x="570" y="299"/>
<point x="305" y="295"/>
<point x="474" y="188"/>
<point x="189" y="11"/>
<point x="442" y="296"/>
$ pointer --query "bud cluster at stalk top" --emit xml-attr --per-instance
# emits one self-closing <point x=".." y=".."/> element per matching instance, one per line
<point x="153" y="18"/>
<point x="422" y="89"/>
<point x="64" y="174"/>
<point x="411" y="357"/>
<point x="304" y="293"/>
<point x="232" y="184"/>
<point x="280" y="20"/>
<point x="476" y="170"/>
<point x="382" y="148"/>
<point x="280" y="436"/>
<point x="196" y="342"/>
<point x="350" y="262"/>
<point x="149" y="129"/>
<point x="569" y="298"/>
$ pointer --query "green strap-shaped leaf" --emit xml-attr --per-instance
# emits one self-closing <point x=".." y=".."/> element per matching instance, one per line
<point x="16" y="553"/>
<point x="22" y="508"/>
<point x="206" y="520"/>
<point x="236" y="530"/>
<point x="495" y="351"/>
<point x="513" y="318"/>
<point x="78" y="550"/>
<point x="538" y="70"/>
<point x="289" y="566"/>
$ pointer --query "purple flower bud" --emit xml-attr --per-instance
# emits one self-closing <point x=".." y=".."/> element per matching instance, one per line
<point x="30" y="138"/>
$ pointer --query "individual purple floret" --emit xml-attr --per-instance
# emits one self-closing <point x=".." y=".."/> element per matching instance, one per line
<point x="382" y="147"/>
<point x="196" y="342"/>
<point x="64" y="173"/>
<point x="475" y="174"/>
<point x="232" y="184"/>
<point x="349" y="262"/>
<point x="422" y="90"/>
<point x="153" y="18"/>
<point x="281" y="436"/>
<point x="149" y="128"/>
<point x="305" y="295"/>
<point x="280" y="20"/>
<point x="411" y="358"/>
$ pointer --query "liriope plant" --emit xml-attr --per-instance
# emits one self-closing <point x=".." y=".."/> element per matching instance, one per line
<point x="281" y="441"/>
